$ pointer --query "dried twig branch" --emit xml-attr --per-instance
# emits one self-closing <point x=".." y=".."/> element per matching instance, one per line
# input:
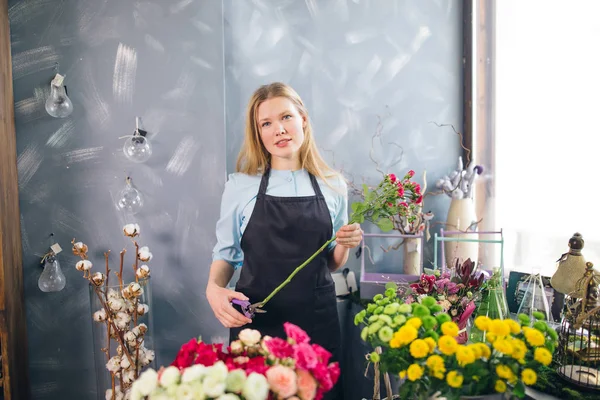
<point x="473" y="224"/>
<point x="460" y="135"/>
<point x="120" y="275"/>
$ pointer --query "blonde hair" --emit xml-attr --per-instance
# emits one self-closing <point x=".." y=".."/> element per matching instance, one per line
<point x="254" y="157"/>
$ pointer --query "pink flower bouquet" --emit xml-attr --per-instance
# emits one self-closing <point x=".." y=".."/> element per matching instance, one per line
<point x="254" y="367"/>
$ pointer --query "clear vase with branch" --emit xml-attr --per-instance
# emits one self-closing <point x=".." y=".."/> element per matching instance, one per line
<point x="411" y="221"/>
<point x="122" y="320"/>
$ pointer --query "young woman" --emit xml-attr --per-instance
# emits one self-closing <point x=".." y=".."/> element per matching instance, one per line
<point x="281" y="205"/>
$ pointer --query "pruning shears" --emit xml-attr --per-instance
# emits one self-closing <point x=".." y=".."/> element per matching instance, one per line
<point x="248" y="309"/>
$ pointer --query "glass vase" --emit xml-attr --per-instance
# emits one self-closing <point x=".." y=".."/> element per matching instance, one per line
<point x="494" y="306"/>
<point x="122" y="335"/>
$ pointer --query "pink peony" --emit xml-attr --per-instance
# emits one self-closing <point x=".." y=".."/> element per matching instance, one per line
<point x="279" y="347"/>
<point x="334" y="372"/>
<point x="392" y="177"/>
<point x="323" y="376"/>
<point x="296" y="333"/>
<point x="256" y="364"/>
<point x="282" y="380"/>
<point x="307" y="385"/>
<point x="322" y="354"/>
<point x="187" y="353"/>
<point x="305" y="356"/>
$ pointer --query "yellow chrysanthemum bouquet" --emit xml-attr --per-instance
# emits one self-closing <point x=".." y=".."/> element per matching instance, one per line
<point x="418" y="343"/>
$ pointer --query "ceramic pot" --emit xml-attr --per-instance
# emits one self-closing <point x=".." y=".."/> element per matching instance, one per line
<point x="461" y="215"/>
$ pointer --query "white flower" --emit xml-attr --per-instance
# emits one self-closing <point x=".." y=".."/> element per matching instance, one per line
<point x="118" y="394"/>
<point x="98" y="278"/>
<point x="249" y="337"/>
<point x="218" y="371"/>
<point x="126" y="293"/>
<point x="184" y="392"/>
<point x="193" y="373"/>
<point x="146" y="383"/>
<point x="112" y="294"/>
<point x="256" y="387"/>
<point x="100" y="315"/>
<point x="114" y="364"/>
<point x="130" y="338"/>
<point x="129" y="306"/>
<point x="235" y="381"/>
<point x="144" y="254"/>
<point x="116" y="304"/>
<point x="142" y="309"/>
<point x="170" y="376"/>
<point x="79" y="247"/>
<point x="228" y="396"/>
<point x="128" y="376"/>
<point x="213" y="387"/>
<point x="83" y="265"/>
<point x="140" y="329"/>
<point x="135" y="289"/>
<point x="132" y="290"/>
<point x="236" y="347"/>
<point x="197" y="391"/>
<point x="134" y="393"/>
<point x="125" y="362"/>
<point x="148" y="357"/>
<point x="161" y="395"/>
<point x="143" y="271"/>
<point x="131" y="230"/>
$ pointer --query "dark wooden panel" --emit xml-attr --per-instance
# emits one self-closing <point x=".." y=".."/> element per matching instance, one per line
<point x="13" y="327"/>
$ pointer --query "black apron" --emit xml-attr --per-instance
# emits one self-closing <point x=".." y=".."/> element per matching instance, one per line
<point x="282" y="233"/>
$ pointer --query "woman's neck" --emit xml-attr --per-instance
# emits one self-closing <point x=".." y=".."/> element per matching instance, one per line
<point x="285" y="164"/>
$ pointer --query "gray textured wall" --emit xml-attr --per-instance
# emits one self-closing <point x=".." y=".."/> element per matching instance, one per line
<point x="172" y="63"/>
<point x="162" y="61"/>
<point x="352" y="62"/>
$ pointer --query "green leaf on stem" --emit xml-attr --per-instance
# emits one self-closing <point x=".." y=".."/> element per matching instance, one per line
<point x="385" y="224"/>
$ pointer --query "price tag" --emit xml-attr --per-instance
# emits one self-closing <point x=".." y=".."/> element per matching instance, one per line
<point x="56" y="248"/>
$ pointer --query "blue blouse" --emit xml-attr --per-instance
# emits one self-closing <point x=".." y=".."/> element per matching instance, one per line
<point x="239" y="198"/>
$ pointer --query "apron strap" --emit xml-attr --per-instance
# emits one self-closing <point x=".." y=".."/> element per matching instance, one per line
<point x="315" y="185"/>
<point x="264" y="182"/>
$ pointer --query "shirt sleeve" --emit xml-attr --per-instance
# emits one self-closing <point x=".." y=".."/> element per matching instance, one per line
<point x="341" y="213"/>
<point x="229" y="226"/>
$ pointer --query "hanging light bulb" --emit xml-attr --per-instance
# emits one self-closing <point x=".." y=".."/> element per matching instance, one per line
<point x="52" y="278"/>
<point x="130" y="199"/>
<point x="58" y="103"/>
<point x="137" y="147"/>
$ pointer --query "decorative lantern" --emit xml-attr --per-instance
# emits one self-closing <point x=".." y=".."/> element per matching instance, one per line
<point x="578" y="353"/>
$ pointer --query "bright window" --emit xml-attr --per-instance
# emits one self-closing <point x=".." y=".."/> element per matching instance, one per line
<point x="547" y="130"/>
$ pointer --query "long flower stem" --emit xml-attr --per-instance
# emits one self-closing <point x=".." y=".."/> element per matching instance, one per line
<point x="353" y="220"/>
<point x="298" y="269"/>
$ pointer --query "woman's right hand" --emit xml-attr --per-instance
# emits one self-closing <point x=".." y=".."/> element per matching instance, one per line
<point x="219" y="299"/>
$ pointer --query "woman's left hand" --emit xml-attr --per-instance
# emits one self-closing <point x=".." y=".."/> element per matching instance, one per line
<point x="349" y="236"/>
